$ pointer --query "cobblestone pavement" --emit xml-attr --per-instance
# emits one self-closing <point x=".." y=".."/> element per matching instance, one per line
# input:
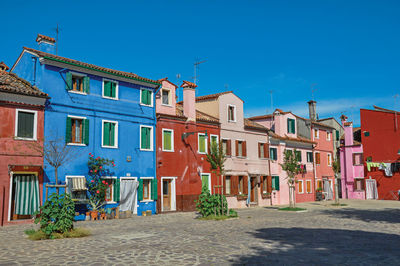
<point x="364" y="232"/>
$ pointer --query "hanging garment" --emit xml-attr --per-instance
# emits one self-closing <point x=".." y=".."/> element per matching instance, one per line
<point x="371" y="164"/>
<point x="395" y="167"/>
<point x="128" y="194"/>
<point x="26" y="194"/>
<point x="387" y="168"/>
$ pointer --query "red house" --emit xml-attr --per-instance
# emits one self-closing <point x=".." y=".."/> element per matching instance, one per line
<point x="21" y="134"/>
<point x="380" y="136"/>
<point x="183" y="138"/>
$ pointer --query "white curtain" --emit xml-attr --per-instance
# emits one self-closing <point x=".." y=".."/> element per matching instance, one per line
<point x="372" y="191"/>
<point x="328" y="190"/>
<point x="128" y="192"/>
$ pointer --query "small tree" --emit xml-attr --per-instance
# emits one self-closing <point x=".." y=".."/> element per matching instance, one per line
<point x="336" y="170"/>
<point x="217" y="158"/>
<point x="292" y="167"/>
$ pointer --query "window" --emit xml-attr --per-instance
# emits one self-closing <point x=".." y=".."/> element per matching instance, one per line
<point x="110" y="134"/>
<point x="228" y="185"/>
<point x="241" y="148"/>
<point x="77" y="130"/>
<point x="168" y="140"/>
<point x="146" y="138"/>
<point x="76" y="82"/>
<point x="26" y="124"/>
<point x="337" y="135"/>
<point x="309" y="157"/>
<point x="319" y="184"/>
<point x="263" y="150"/>
<point x="328" y="135"/>
<point x="275" y="183"/>
<point x="357" y="158"/>
<point x="329" y="159"/>
<point x="112" y="190"/>
<point x="147" y="189"/>
<point x="231" y="113"/>
<point x="359" y="184"/>
<point x="308" y="186"/>
<point x="206" y="181"/>
<point x="266" y="184"/>
<point x="273" y="153"/>
<point x="110" y="89"/>
<point x="76" y="187"/>
<point x="226" y="147"/>
<point x="214" y="139"/>
<point x="241" y="185"/>
<point x="291" y="126"/>
<point x="298" y="156"/>
<point x="316" y="133"/>
<point x="146" y="97"/>
<point x="165" y="96"/>
<point x="300" y="186"/>
<point x="202" y="143"/>
<point x="317" y="158"/>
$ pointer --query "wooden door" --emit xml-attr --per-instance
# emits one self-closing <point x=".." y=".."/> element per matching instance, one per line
<point x="166" y="194"/>
<point x="253" y="189"/>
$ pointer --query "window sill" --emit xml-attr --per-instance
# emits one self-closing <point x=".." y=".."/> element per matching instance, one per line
<point x="146" y="149"/>
<point x="146" y="105"/>
<point x="166" y="105"/>
<point x="19" y="138"/>
<point x="76" y="144"/>
<point x="241" y="197"/>
<point x="147" y="201"/>
<point x="110" y="98"/>
<point x="231" y="121"/>
<point x="266" y="195"/>
<point x="168" y="150"/>
<point x="241" y="157"/>
<point x="111" y="202"/>
<point x="77" y="92"/>
<point x="202" y="152"/>
<point x="109" y="147"/>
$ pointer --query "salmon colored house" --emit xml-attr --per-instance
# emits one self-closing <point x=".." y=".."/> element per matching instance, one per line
<point x="21" y="135"/>
<point x="183" y="139"/>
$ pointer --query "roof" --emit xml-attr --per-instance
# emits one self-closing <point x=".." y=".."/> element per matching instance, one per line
<point x="200" y="116"/>
<point x="250" y="124"/>
<point x="3" y="66"/>
<point x="356" y="136"/>
<point x="211" y="96"/>
<point x="90" y="66"/>
<point x="260" y="117"/>
<point x="188" y="84"/>
<point x="10" y="82"/>
<point x="166" y="80"/>
<point x="314" y="122"/>
<point x="44" y="37"/>
<point x="384" y="110"/>
<point x="287" y="138"/>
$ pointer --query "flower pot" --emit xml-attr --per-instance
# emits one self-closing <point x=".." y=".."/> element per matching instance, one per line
<point x="103" y="216"/>
<point x="94" y="215"/>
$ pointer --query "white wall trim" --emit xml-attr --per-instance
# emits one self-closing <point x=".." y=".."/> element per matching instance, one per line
<point x="209" y="181"/>
<point x="140" y="100"/>
<point x="34" y="124"/>
<point x="172" y="140"/>
<point x="173" y="189"/>
<point x="234" y="113"/>
<point x="115" y="134"/>
<point x="116" y="89"/>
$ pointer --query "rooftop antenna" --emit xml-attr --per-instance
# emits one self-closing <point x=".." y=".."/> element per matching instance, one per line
<point x="196" y="68"/>
<point x="272" y="101"/>
<point x="57" y="29"/>
<point x="178" y="78"/>
<point x="395" y="109"/>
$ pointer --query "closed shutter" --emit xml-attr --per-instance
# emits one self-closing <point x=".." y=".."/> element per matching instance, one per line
<point x="259" y="150"/>
<point x="298" y="156"/>
<point x="106" y="134"/>
<point x="25" y="124"/>
<point x="277" y="183"/>
<point x="237" y="147"/>
<point x="266" y="150"/>
<point x="269" y="184"/>
<point x="337" y="135"/>
<point x="112" y="134"/>
<point x="107" y="88"/>
<point x="86" y="85"/>
<point x="68" y="81"/>
<point x="145" y="138"/>
<point x="244" y="149"/>
<point x="293" y="126"/>
<point x="86" y="131"/>
<point x="202" y="143"/>
<point x="149" y="97"/>
<point x="318" y="158"/>
<point x="154" y="189"/>
<point x="245" y="185"/>
<point x="234" y="185"/>
<point x="117" y="190"/>
<point x="113" y="89"/>
<point x="68" y="129"/>
<point x="140" y="190"/>
<point x="308" y="186"/>
<point x="167" y="140"/>
<point x="228" y="147"/>
<point x="224" y="185"/>
<point x="288" y="126"/>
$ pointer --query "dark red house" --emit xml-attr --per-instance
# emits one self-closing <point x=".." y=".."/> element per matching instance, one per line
<point x="183" y="139"/>
<point x="380" y="136"/>
<point x="21" y="161"/>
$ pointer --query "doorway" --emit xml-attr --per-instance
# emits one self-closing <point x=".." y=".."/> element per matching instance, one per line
<point x="372" y="190"/>
<point x="253" y="189"/>
<point x="128" y="194"/>
<point x="168" y="195"/>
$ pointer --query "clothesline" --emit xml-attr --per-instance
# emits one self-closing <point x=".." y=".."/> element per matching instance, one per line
<point x="389" y="168"/>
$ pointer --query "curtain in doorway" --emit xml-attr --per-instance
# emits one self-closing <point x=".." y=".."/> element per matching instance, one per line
<point x="328" y="190"/>
<point x="27" y="199"/>
<point x="128" y="192"/>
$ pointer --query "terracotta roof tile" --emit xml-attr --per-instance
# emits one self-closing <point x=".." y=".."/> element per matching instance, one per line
<point x="10" y="82"/>
<point x="250" y="124"/>
<point x="3" y="66"/>
<point x="188" y="84"/>
<point x="211" y="96"/>
<point x="90" y="66"/>
<point x="260" y="117"/>
<point x="166" y="79"/>
<point x="44" y="37"/>
<point x="200" y="116"/>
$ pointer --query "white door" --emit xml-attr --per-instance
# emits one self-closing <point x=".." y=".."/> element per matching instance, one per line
<point x="168" y="194"/>
<point x="371" y="189"/>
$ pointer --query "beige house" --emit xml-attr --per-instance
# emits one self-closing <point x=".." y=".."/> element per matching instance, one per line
<point x="247" y="178"/>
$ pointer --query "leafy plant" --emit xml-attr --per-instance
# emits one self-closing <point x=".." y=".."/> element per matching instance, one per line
<point x="56" y="215"/>
<point x="336" y="170"/>
<point x="208" y="204"/>
<point x="98" y="168"/>
<point x="291" y="166"/>
<point x="74" y="233"/>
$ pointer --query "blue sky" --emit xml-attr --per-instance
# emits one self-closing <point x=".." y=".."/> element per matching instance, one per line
<point x="349" y="49"/>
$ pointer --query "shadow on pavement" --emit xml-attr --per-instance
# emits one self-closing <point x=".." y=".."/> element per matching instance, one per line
<point x="307" y="246"/>
<point x="383" y="215"/>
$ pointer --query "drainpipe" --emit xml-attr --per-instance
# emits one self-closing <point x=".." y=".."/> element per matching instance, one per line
<point x="314" y="172"/>
<point x="34" y="70"/>
<point x="155" y="144"/>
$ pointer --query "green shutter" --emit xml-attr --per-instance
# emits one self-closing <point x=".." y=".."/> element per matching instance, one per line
<point x="86" y="85"/>
<point x="277" y="182"/>
<point x="112" y="134"/>
<point x="154" y="189"/>
<point x="68" y="129"/>
<point x="298" y="156"/>
<point x="86" y="131"/>
<point x="106" y="134"/>
<point x="68" y="81"/>
<point x="107" y="88"/>
<point x="337" y="135"/>
<point x="145" y="138"/>
<point x="113" y="89"/>
<point x="167" y="135"/>
<point x="202" y="143"/>
<point x="146" y="97"/>
<point x="140" y="190"/>
<point x="293" y="126"/>
<point x="204" y="181"/>
<point x="117" y="187"/>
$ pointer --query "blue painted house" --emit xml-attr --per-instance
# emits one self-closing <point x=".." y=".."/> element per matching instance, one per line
<point x="97" y="110"/>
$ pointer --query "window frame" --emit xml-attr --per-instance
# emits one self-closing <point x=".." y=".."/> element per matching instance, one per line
<point x="198" y="143"/>
<point x="172" y="139"/>
<point x="213" y="135"/>
<point x="308" y="181"/>
<point x="316" y="133"/>
<point x="82" y="133"/>
<point x="289" y="120"/>
<point x="113" y="178"/>
<point x="151" y="97"/>
<point x="361" y="159"/>
<point x="276" y="153"/>
<point x="35" y="118"/>
<point x="116" y="89"/>
<point x="230" y="184"/>
<point x="309" y="155"/>
<point x="328" y="135"/>
<point x="298" y="186"/>
<point x="151" y="138"/>
<point x="329" y="159"/>
<point x="67" y="186"/>
<point x="169" y="97"/>
<point x="362" y="180"/>
<point x="115" y="134"/>
<point x="150" y="178"/>
<point x="240" y="141"/>
<point x="241" y="187"/>
<point x="80" y="75"/>
<point x="209" y="180"/>
<point x="234" y="113"/>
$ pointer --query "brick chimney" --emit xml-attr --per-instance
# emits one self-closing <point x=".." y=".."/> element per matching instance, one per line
<point x="3" y="66"/>
<point x="312" y="109"/>
<point x="46" y="44"/>
<point x="189" y="100"/>
<point x="348" y="131"/>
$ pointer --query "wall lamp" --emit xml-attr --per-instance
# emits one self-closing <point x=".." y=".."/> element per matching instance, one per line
<point x="187" y="134"/>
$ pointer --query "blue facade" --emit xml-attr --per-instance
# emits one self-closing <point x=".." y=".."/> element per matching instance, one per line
<point x="126" y="112"/>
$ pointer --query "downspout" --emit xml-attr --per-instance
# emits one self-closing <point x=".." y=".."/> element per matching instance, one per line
<point x="314" y="173"/>
<point x="155" y="144"/>
<point x="34" y="59"/>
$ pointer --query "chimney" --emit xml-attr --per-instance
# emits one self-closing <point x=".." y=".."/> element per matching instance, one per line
<point x="312" y="106"/>
<point x="46" y="44"/>
<point x="348" y="131"/>
<point x="3" y="66"/>
<point x="189" y="100"/>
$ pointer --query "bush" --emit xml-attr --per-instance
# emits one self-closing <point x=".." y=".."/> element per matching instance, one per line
<point x="233" y="213"/>
<point x="74" y="233"/>
<point x="56" y="215"/>
<point x="208" y="204"/>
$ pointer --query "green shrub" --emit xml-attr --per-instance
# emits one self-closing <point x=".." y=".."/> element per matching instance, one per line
<point x="56" y="215"/>
<point x="233" y="213"/>
<point x="40" y="235"/>
<point x="30" y="231"/>
<point x="208" y="204"/>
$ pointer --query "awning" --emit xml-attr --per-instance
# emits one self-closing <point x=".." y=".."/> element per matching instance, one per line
<point x="78" y="183"/>
<point x="26" y="194"/>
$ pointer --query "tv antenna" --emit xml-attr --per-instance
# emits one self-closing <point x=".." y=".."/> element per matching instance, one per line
<point x="196" y="68"/>
<point x="57" y="30"/>
<point x="313" y="90"/>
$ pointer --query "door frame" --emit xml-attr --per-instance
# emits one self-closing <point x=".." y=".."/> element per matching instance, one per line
<point x="173" y="192"/>
<point x="375" y="188"/>
<point x="136" y="205"/>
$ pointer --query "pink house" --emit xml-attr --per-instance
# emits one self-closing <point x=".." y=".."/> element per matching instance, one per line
<point x="351" y="162"/>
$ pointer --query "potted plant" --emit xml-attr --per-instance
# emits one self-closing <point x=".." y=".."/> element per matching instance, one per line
<point x="319" y="194"/>
<point x="96" y="185"/>
<point x="103" y="214"/>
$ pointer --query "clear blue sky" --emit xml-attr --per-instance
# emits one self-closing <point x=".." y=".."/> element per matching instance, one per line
<point x="350" y="49"/>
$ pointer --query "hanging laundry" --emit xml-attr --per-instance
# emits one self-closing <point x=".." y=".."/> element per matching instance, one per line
<point x="395" y="167"/>
<point x="387" y="167"/>
<point x="371" y="164"/>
